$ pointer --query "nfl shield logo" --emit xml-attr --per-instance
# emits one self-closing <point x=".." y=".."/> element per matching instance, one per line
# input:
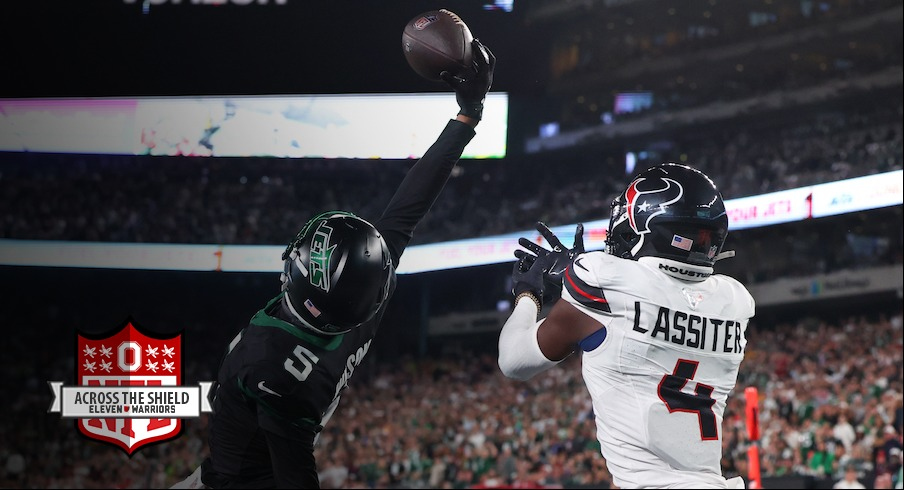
<point x="424" y="21"/>
<point x="129" y="356"/>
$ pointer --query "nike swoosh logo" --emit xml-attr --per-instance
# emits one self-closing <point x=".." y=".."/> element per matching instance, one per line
<point x="261" y="387"/>
<point x="578" y="263"/>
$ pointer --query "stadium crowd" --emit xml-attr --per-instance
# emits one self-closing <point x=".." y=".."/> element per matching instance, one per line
<point x="662" y="59"/>
<point x="743" y="161"/>
<point x="264" y="201"/>
<point x="830" y="400"/>
<point x="686" y="31"/>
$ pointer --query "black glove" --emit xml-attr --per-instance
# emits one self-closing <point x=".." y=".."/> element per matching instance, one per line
<point x="533" y="272"/>
<point x="472" y="90"/>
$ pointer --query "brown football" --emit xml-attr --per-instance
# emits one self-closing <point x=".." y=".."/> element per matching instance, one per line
<point x="437" y="41"/>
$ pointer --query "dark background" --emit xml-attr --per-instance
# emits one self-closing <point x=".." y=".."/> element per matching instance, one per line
<point x="107" y="48"/>
<point x="110" y="48"/>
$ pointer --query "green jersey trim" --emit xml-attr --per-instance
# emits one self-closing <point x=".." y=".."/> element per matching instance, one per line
<point x="262" y="319"/>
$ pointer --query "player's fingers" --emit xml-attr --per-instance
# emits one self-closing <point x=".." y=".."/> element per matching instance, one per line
<point x="516" y="269"/>
<point x="478" y="47"/>
<point x="491" y="58"/>
<point x="450" y="79"/>
<point x="525" y="261"/>
<point x="550" y="237"/>
<point x="579" y="238"/>
<point x="533" y="247"/>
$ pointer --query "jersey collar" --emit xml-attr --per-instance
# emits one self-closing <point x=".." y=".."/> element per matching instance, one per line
<point x="678" y="270"/>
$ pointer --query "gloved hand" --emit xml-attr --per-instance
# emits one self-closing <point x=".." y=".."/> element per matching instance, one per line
<point x="534" y="271"/>
<point x="470" y="92"/>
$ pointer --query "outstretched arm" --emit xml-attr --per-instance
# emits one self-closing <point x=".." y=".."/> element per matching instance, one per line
<point x="528" y="346"/>
<point x="421" y="186"/>
<point x="293" y="461"/>
<point x="426" y="179"/>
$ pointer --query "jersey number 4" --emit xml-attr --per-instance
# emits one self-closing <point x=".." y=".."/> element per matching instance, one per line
<point x="701" y="402"/>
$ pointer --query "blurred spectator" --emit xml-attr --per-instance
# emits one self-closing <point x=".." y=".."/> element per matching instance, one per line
<point x="821" y="460"/>
<point x="844" y="432"/>
<point x="850" y="480"/>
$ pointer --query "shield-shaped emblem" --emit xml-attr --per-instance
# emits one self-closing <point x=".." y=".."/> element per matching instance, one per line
<point x="129" y="356"/>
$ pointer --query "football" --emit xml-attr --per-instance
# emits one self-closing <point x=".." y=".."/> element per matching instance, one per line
<point x="437" y="41"/>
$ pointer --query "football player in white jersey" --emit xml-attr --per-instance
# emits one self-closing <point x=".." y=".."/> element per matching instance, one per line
<point x="661" y="336"/>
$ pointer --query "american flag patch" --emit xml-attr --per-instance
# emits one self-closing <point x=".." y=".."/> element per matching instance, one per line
<point x="313" y="309"/>
<point x="682" y="243"/>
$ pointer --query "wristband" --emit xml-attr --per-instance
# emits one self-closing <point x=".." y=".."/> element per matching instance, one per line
<point x="474" y="111"/>
<point x="533" y="297"/>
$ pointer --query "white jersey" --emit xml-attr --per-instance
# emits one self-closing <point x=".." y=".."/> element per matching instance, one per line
<point x="660" y="377"/>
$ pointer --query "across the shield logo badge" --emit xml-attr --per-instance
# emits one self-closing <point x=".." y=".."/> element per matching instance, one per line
<point x="129" y="356"/>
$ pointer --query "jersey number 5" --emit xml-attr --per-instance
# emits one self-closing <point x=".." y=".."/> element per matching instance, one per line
<point x="307" y="359"/>
<point x="701" y="402"/>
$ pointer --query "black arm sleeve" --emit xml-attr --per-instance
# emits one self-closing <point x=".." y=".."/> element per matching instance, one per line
<point x="293" y="462"/>
<point x="421" y="186"/>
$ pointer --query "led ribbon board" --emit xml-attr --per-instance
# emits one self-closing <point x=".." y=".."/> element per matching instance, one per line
<point x="863" y="193"/>
<point x="388" y="126"/>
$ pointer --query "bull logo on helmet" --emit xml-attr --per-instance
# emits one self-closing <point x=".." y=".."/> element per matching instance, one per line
<point x="640" y="211"/>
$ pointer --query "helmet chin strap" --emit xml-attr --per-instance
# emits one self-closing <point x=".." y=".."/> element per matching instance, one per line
<point x="636" y="248"/>
<point x="295" y="313"/>
<point x="725" y="255"/>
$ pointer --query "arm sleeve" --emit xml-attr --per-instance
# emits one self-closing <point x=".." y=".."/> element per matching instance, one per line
<point x="520" y="356"/>
<point x="293" y="461"/>
<point x="421" y="186"/>
<point x="289" y="433"/>
<point x="282" y="407"/>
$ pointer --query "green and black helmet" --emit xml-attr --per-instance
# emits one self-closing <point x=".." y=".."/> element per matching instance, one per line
<point x="337" y="273"/>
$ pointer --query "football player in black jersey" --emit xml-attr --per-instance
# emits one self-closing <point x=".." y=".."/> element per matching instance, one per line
<point x="283" y="374"/>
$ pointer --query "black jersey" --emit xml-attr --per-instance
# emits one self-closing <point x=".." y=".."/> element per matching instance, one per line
<point x="279" y="383"/>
